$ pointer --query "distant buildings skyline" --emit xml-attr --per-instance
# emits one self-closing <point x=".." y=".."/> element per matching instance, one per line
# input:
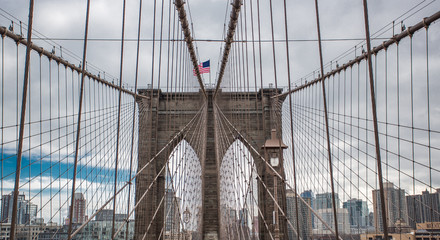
<point x="324" y="200"/>
<point x="79" y="209"/>
<point x="354" y="216"/>
<point x="358" y="213"/>
<point x="395" y="205"/>
<point x="26" y="210"/>
<point x="31" y="227"/>
<point x="327" y="216"/>
<point x="107" y="215"/>
<point x="305" y="214"/>
<point x="172" y="219"/>
<point x="423" y="208"/>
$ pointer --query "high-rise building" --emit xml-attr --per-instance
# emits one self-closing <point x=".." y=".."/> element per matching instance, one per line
<point x="243" y="216"/>
<point x="308" y="194"/>
<point x="422" y="207"/>
<point x="371" y="219"/>
<point x="304" y="214"/>
<point x="290" y="212"/>
<point x="93" y="230"/>
<point x="171" y="211"/>
<point x="327" y="216"/>
<point x="79" y="209"/>
<point x="324" y="200"/>
<point x="357" y="213"/>
<point x="431" y="203"/>
<point x="30" y="212"/>
<point x="7" y="201"/>
<point x="26" y="211"/>
<point x="415" y="210"/>
<point x="395" y="206"/>
<point x="107" y="215"/>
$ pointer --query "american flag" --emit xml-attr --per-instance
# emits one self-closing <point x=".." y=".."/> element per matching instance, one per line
<point x="203" y="68"/>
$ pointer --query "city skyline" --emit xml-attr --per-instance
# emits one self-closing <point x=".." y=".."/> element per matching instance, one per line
<point x="358" y="215"/>
<point x="99" y="125"/>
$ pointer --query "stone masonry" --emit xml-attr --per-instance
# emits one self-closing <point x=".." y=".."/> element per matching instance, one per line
<point x="165" y="114"/>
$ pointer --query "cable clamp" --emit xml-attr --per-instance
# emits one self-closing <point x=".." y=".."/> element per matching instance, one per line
<point x="426" y="25"/>
<point x="385" y="47"/>
<point x="408" y="30"/>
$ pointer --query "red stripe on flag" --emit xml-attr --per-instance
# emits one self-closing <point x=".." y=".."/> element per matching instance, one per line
<point x="202" y="70"/>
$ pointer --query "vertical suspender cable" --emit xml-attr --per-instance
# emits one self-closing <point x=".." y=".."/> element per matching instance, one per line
<point x="412" y="125"/>
<point x="247" y="63"/>
<point x="263" y="116"/>
<point x="75" y="164"/>
<point x="134" y="114"/>
<point x="326" y="124"/>
<point x="376" y="131"/>
<point x="50" y="138"/>
<point x="59" y="141"/>
<point x="273" y="50"/>
<point x="426" y="25"/>
<point x="150" y="104"/>
<point x="2" y="113"/>
<point x="119" y="119"/>
<point x="159" y="69"/>
<point x="291" y="120"/>
<point x="22" y="119"/>
<point x="254" y="61"/>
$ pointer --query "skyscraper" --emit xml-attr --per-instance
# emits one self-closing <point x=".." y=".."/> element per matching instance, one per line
<point x="357" y="213"/>
<point x="324" y="200"/>
<point x="308" y="194"/>
<point x="26" y="211"/>
<point x="30" y="212"/>
<point x="395" y="205"/>
<point x="290" y="212"/>
<point x="243" y="216"/>
<point x="79" y="209"/>
<point x="422" y="207"/>
<point x="107" y="215"/>
<point x="327" y="216"/>
<point x="171" y="211"/>
<point x="304" y="215"/>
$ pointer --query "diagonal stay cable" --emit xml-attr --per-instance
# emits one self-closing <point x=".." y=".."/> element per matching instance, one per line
<point x="166" y="165"/>
<point x="177" y="136"/>
<point x="225" y="142"/>
<point x="154" y="180"/>
<point x="264" y="185"/>
<point x="19" y="40"/>
<point x="222" y="127"/>
<point x="411" y="30"/>
<point x="246" y="142"/>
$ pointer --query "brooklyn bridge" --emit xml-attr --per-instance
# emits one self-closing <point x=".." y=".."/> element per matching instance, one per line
<point x="237" y="119"/>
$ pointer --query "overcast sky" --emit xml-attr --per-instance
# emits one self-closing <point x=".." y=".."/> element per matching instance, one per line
<point x="342" y="29"/>
<point x="339" y="20"/>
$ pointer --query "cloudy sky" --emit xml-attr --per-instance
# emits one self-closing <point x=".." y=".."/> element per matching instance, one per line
<point x="64" y="20"/>
<point x="60" y="24"/>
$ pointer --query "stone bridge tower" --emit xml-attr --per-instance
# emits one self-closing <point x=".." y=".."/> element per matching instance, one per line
<point x="155" y="132"/>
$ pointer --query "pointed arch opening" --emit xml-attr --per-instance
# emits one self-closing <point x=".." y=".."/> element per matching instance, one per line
<point x="183" y="198"/>
<point x="238" y="193"/>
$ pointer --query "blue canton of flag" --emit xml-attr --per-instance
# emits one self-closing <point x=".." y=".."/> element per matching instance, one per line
<point x="204" y="67"/>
